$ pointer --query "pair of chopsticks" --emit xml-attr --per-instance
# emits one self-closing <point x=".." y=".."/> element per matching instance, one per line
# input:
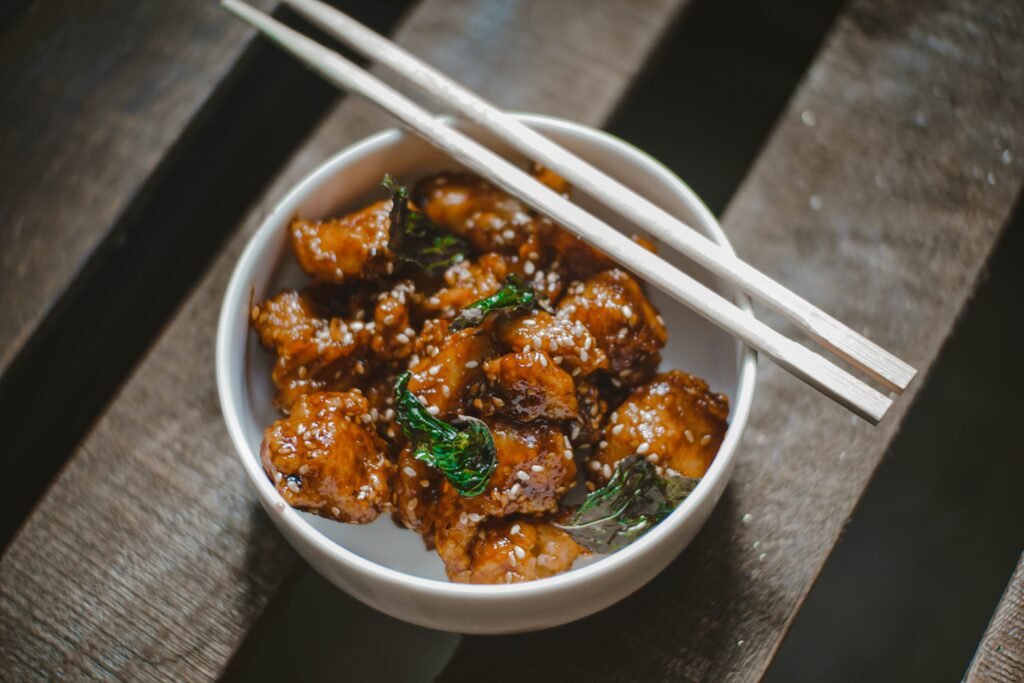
<point x="814" y="369"/>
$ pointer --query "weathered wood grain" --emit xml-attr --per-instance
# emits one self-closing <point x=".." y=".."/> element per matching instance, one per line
<point x="92" y="100"/>
<point x="878" y="196"/>
<point x="149" y="558"/>
<point x="1000" y="655"/>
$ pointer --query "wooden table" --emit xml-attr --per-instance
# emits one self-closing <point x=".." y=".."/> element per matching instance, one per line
<point x="879" y="194"/>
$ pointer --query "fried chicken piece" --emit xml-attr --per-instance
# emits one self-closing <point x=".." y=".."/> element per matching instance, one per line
<point x="593" y="411"/>
<point x="625" y="325"/>
<point x="448" y="380"/>
<point x="315" y="353"/>
<point x="326" y="458"/>
<point x="529" y="386"/>
<point x="466" y="282"/>
<point x="415" y="490"/>
<point x="472" y="208"/>
<point x="346" y="249"/>
<point x="519" y="549"/>
<point x="674" y="420"/>
<point x="535" y="469"/>
<point x="567" y="343"/>
<point x="393" y="336"/>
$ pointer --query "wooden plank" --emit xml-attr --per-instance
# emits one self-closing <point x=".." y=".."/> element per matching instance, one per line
<point x="95" y="94"/>
<point x="879" y="196"/>
<point x="149" y="557"/>
<point x="1000" y="655"/>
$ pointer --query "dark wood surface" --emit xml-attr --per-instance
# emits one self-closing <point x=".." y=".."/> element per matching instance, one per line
<point x="92" y="102"/>
<point x="1000" y="656"/>
<point x="160" y="569"/>
<point x="883" y="211"/>
<point x="879" y="196"/>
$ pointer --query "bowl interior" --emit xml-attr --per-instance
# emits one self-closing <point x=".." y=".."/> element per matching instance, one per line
<point x="352" y="179"/>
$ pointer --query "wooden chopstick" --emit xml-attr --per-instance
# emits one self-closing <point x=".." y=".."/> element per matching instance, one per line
<point x="798" y="360"/>
<point x="818" y="325"/>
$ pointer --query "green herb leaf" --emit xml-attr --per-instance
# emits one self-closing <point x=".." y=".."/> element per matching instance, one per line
<point x="416" y="239"/>
<point x="515" y="294"/>
<point x="627" y="507"/>
<point x="464" y="454"/>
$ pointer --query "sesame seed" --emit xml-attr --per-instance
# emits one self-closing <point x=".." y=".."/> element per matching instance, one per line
<point x="537" y="468"/>
<point x="543" y="360"/>
<point x="606" y="470"/>
<point x="653" y="457"/>
<point x="643" y="448"/>
<point x="366" y="418"/>
<point x="292" y="485"/>
<point x="689" y="435"/>
<point x="413" y="503"/>
<point x="463" y="518"/>
<point x="409" y="472"/>
<point x="512" y="558"/>
<point x="705" y="440"/>
<point x="526" y="349"/>
<point x="595" y="465"/>
<point x="568" y="454"/>
<point x="446" y="390"/>
<point x="514" y="491"/>
<point x="553" y="344"/>
<point x="433" y="410"/>
<point x="434" y="369"/>
<point x="389" y="319"/>
<point x="520" y="553"/>
<point x="388" y="414"/>
<point x="514" y="529"/>
<point x="508" y="234"/>
<point x="475" y="517"/>
<point x="409" y="331"/>
<point x="528" y="268"/>
<point x="472" y="364"/>
<point x="523" y="476"/>
<point x="617" y="429"/>
<point x="583" y="355"/>
<point x="402" y="338"/>
<point x="627" y="311"/>
<point x="603" y="444"/>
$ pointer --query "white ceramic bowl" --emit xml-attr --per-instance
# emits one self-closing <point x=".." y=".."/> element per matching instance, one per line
<point x="387" y="567"/>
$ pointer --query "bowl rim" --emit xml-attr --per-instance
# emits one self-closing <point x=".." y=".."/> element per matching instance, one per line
<point x="236" y="294"/>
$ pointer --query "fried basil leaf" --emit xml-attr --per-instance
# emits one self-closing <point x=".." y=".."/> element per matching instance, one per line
<point x="514" y="295"/>
<point x="627" y="507"/>
<point x="464" y="453"/>
<point x="414" y="238"/>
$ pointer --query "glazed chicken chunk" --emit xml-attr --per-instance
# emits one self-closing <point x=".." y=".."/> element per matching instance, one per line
<point x="529" y="386"/>
<point x="314" y="353"/>
<point x="475" y="210"/>
<point x="626" y="326"/>
<point x="519" y="549"/>
<point x="565" y="341"/>
<point x="446" y="381"/>
<point x="347" y="249"/>
<point x="326" y="458"/>
<point x="674" y="421"/>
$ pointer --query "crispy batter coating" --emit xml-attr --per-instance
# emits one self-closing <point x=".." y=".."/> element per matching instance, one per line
<point x="326" y="458"/>
<point x="466" y="282"/>
<point x="448" y="380"/>
<point x="593" y="412"/>
<point x="625" y="325"/>
<point x="415" y="489"/>
<point x="568" y="343"/>
<point x="529" y="386"/>
<point x="394" y="338"/>
<point x="475" y="210"/>
<point x="674" y="420"/>
<point x="314" y="353"/>
<point x="345" y="249"/>
<point x="519" y="549"/>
